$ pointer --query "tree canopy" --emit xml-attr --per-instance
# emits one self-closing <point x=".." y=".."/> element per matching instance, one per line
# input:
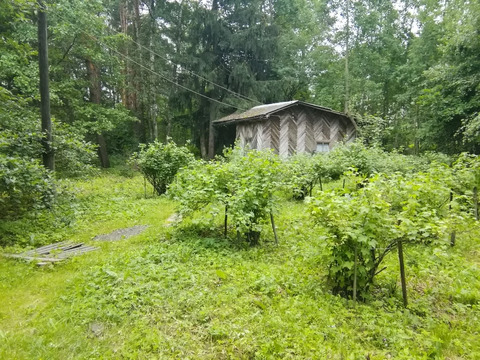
<point x="125" y="72"/>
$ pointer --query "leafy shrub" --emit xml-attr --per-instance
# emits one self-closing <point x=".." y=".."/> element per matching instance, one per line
<point x="466" y="169"/>
<point x="364" y="226"/>
<point x="243" y="184"/>
<point x="352" y="225"/>
<point x="304" y="171"/>
<point x="370" y="160"/>
<point x="74" y="157"/>
<point x="327" y="167"/>
<point x="159" y="163"/>
<point x="24" y="185"/>
<point x="300" y="175"/>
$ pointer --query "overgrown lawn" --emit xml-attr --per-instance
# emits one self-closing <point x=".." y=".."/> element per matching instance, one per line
<point x="187" y="293"/>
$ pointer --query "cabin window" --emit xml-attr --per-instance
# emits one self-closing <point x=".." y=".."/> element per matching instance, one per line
<point x="323" y="147"/>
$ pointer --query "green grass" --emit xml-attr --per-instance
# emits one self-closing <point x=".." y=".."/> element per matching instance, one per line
<point x="187" y="293"/>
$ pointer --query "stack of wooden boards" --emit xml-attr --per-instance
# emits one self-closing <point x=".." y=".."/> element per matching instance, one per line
<point x="53" y="253"/>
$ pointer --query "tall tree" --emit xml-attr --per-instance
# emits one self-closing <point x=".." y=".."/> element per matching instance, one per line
<point x="48" y="152"/>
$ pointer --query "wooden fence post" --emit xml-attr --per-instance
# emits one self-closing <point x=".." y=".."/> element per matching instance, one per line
<point x="453" y="234"/>
<point x="274" y="228"/>
<point x="402" y="272"/>
<point x="475" y="202"/>
<point x="453" y="237"/>
<point x="355" y="277"/>
<point x="145" y="186"/>
<point x="226" y="221"/>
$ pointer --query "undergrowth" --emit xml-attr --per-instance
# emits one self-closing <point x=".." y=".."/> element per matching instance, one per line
<point x="185" y="292"/>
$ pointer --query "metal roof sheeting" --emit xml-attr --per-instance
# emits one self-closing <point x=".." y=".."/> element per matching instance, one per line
<point x="263" y="111"/>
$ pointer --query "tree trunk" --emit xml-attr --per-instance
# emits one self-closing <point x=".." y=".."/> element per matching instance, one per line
<point x="95" y="98"/>
<point x="102" y="151"/>
<point x="122" y="9"/>
<point x="137" y="75"/>
<point x="203" y="142"/>
<point x="155" y="128"/>
<point x="136" y="103"/>
<point x="48" y="152"/>
<point x="211" y="131"/>
<point x="168" y="128"/>
<point x="152" y="89"/>
<point x="386" y="103"/>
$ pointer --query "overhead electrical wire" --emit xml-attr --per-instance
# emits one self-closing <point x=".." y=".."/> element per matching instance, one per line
<point x="240" y="96"/>
<point x="150" y="70"/>
<point x="164" y="77"/>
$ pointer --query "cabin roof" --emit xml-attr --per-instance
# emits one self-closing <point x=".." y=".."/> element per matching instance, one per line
<point x="264" y="111"/>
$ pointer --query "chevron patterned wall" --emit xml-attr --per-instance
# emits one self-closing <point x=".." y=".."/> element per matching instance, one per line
<point x="296" y="130"/>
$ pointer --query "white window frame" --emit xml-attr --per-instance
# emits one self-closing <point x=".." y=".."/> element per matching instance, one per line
<point x="322" y="147"/>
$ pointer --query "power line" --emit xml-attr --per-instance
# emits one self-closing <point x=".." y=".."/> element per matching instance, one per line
<point x="164" y="77"/>
<point x="150" y="70"/>
<point x="240" y="96"/>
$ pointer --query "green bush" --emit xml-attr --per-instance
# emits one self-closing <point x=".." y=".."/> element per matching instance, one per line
<point x="370" y="160"/>
<point x="74" y="157"/>
<point x="24" y="185"/>
<point x="303" y="171"/>
<point x="466" y="169"/>
<point x="159" y="163"/>
<point x="365" y="225"/>
<point x="300" y="175"/>
<point x="20" y="136"/>
<point x="243" y="184"/>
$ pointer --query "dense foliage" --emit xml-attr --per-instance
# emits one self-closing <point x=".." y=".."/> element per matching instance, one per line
<point x="408" y="70"/>
<point x="365" y="224"/>
<point x="24" y="185"/>
<point x="159" y="163"/>
<point x="303" y="172"/>
<point x="386" y="198"/>
<point x="242" y="184"/>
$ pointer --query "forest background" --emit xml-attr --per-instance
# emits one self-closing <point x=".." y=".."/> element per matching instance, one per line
<point x="124" y="72"/>
<point x="253" y="271"/>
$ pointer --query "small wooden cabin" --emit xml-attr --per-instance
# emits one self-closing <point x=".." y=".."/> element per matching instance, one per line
<point x="289" y="127"/>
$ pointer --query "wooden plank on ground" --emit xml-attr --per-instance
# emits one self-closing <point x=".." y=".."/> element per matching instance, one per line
<point x="62" y="250"/>
<point x="31" y="258"/>
<point x="45" y="249"/>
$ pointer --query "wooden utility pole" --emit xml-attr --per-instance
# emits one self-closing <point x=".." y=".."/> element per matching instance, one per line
<point x="347" y="49"/>
<point x="48" y="152"/>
